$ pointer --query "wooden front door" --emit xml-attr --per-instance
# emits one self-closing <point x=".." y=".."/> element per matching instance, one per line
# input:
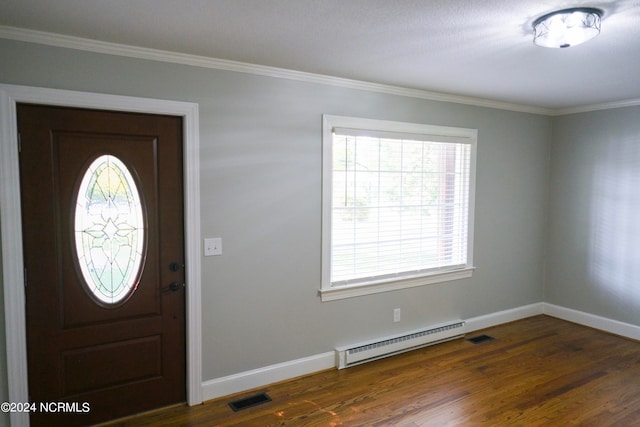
<point x="102" y="225"/>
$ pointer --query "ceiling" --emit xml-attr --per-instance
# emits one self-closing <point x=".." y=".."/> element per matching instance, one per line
<point x="474" y="48"/>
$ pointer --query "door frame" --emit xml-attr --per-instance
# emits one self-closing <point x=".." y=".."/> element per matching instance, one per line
<point x="11" y="225"/>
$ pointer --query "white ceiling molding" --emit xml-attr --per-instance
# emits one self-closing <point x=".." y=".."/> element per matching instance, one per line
<point x="596" y="107"/>
<point x="58" y="40"/>
<point x="79" y="43"/>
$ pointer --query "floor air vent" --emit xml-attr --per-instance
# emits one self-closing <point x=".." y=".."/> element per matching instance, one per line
<point x="480" y="339"/>
<point x="364" y="352"/>
<point x="248" y="402"/>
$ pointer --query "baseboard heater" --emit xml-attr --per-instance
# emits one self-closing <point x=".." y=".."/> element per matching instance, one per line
<point x="347" y="356"/>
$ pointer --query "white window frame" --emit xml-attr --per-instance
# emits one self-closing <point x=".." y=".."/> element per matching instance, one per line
<point x="330" y="291"/>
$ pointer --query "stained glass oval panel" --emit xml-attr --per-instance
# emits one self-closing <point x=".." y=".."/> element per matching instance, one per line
<point x="109" y="230"/>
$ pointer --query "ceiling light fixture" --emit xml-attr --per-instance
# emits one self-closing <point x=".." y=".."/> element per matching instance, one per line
<point x="567" y="27"/>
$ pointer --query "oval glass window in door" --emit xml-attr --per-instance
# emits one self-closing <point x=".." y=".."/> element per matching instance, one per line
<point x="109" y="230"/>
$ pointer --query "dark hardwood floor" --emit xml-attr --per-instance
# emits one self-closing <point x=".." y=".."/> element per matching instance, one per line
<point x="539" y="371"/>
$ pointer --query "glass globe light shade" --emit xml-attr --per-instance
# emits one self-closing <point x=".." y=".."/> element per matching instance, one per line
<point x="567" y="27"/>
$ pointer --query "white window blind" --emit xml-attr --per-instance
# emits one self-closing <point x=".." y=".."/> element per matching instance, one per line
<point x="400" y="204"/>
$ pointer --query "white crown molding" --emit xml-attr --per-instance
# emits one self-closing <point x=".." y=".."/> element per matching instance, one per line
<point x="596" y="107"/>
<point x="79" y="43"/>
<point x="71" y="42"/>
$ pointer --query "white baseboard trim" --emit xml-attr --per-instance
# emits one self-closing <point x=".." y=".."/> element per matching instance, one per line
<point x="260" y="377"/>
<point x="616" y="327"/>
<point x="505" y="316"/>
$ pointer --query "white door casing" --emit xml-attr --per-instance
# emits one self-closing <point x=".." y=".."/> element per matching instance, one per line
<point x="11" y="227"/>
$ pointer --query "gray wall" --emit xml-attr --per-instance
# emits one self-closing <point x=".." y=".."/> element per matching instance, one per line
<point x="4" y="391"/>
<point x="261" y="192"/>
<point x="594" y="227"/>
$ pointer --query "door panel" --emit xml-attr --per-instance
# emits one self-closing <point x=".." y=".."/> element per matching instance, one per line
<point x="125" y="357"/>
<point x="75" y="152"/>
<point x="139" y="353"/>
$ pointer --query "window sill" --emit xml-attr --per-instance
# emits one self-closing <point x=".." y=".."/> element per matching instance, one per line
<point x="349" y="291"/>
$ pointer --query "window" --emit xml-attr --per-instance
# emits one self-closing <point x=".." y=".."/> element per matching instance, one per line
<point x="109" y="230"/>
<point x="397" y="205"/>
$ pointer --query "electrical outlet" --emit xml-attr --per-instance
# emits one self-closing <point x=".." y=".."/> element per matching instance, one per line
<point x="396" y="314"/>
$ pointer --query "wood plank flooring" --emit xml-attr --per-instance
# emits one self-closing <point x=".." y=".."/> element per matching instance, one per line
<point x="539" y="371"/>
